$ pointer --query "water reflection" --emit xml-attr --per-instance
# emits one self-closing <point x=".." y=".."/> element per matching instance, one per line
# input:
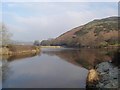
<point x="17" y="57"/>
<point x="52" y="68"/>
<point x="44" y="72"/>
<point x="86" y="58"/>
<point x="6" y="59"/>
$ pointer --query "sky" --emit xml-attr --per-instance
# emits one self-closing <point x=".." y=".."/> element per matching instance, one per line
<point x="29" y="21"/>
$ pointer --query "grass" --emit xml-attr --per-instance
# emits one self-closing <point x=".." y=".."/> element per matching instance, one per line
<point x="19" y="49"/>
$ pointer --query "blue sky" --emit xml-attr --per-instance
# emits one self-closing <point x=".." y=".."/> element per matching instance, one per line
<point x="29" y="21"/>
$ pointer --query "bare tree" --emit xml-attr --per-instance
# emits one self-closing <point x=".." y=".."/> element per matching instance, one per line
<point x="5" y="35"/>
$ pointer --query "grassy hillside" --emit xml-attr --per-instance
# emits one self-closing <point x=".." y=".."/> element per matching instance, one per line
<point x="97" y="33"/>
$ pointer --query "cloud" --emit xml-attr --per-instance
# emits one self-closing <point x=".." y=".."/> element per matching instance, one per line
<point x="49" y="20"/>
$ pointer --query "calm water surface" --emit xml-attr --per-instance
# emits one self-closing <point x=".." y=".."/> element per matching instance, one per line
<point x="52" y="68"/>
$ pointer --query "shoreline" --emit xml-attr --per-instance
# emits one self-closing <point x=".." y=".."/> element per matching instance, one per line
<point x="19" y="49"/>
<point x="50" y="46"/>
<point x="108" y="73"/>
<point x="105" y="75"/>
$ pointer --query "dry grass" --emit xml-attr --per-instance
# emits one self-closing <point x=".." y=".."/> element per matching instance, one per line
<point x="19" y="49"/>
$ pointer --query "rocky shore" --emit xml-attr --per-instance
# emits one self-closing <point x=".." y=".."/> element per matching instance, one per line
<point x="108" y="75"/>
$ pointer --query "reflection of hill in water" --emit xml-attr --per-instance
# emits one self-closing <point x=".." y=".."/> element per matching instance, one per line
<point x="84" y="57"/>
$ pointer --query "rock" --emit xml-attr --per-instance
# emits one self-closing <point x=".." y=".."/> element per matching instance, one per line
<point x="114" y="73"/>
<point x="108" y="85"/>
<point x="104" y="77"/>
<point x="100" y="85"/>
<point x="103" y="67"/>
<point x="92" y="78"/>
<point x="108" y="75"/>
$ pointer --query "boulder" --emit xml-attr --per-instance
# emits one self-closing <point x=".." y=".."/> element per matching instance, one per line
<point x="108" y="75"/>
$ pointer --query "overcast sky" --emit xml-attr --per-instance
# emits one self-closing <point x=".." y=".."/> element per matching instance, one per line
<point x="29" y="21"/>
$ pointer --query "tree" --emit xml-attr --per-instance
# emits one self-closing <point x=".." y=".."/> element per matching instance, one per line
<point x="5" y="35"/>
<point x="36" y="43"/>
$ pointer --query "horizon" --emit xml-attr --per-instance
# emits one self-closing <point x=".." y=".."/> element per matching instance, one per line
<point x="39" y="21"/>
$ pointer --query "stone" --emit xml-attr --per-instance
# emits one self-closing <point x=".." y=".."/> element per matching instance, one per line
<point x="103" y="67"/>
<point x="108" y="74"/>
<point x="92" y="76"/>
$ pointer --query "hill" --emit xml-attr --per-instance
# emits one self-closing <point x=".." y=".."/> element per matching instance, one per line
<point x="97" y="33"/>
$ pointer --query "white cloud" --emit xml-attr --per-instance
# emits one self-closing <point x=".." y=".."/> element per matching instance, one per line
<point x="48" y="26"/>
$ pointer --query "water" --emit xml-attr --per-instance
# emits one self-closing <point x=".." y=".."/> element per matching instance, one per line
<point x="52" y="68"/>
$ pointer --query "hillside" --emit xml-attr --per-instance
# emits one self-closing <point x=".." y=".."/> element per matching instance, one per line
<point x="97" y="33"/>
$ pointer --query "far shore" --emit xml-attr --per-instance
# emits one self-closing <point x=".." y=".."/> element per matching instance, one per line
<point x="50" y="46"/>
<point x="28" y="49"/>
<point x="110" y="46"/>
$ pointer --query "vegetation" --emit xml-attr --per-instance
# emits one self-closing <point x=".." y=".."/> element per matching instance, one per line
<point x="99" y="25"/>
<point x="8" y="48"/>
<point x="82" y="32"/>
<point x="46" y="42"/>
<point x="97" y="33"/>
<point x="36" y="43"/>
<point x="5" y="35"/>
<point x="19" y="50"/>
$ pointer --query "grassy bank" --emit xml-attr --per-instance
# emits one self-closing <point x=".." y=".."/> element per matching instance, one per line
<point x="19" y="49"/>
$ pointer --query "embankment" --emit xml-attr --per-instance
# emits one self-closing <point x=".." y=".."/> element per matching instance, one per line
<point x="19" y="49"/>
